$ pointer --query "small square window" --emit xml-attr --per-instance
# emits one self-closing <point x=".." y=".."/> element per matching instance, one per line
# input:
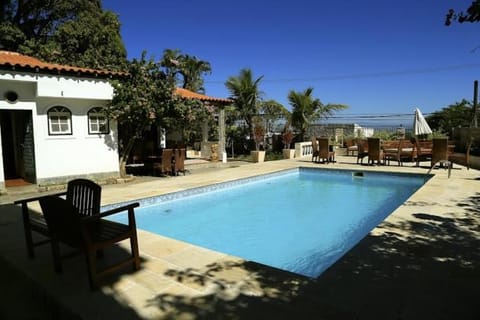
<point x="59" y="121"/>
<point x="97" y="122"/>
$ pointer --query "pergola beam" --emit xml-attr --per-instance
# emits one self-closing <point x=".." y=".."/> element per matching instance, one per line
<point x="220" y="103"/>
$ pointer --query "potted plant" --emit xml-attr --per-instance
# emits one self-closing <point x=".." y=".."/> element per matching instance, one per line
<point x="287" y="138"/>
<point x="258" y="136"/>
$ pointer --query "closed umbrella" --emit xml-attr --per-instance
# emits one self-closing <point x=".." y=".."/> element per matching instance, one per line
<point x="420" y="125"/>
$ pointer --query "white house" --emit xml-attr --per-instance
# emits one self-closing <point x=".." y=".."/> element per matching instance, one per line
<point x="51" y="126"/>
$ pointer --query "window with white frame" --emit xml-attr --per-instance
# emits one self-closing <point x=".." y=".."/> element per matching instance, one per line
<point x="59" y="121"/>
<point x="97" y="121"/>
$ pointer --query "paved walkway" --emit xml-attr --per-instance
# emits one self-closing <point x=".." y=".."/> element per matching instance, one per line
<point x="422" y="262"/>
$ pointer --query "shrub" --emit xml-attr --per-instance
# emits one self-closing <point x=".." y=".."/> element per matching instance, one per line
<point x="258" y="132"/>
<point x="287" y="138"/>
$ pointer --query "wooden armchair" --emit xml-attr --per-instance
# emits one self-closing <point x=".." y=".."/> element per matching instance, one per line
<point x="89" y="234"/>
<point x="82" y="194"/>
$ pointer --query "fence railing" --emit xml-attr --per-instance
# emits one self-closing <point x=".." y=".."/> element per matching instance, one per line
<point x="303" y="149"/>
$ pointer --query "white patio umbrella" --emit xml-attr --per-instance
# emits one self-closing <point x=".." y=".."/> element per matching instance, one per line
<point x="420" y="125"/>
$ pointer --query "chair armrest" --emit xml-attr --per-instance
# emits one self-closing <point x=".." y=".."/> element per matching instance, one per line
<point x="25" y="201"/>
<point x="96" y="217"/>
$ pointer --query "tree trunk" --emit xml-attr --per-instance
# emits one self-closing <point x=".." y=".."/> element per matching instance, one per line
<point x="123" y="169"/>
<point x="125" y="156"/>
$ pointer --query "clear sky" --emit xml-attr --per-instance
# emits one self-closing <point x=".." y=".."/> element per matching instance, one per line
<point x="376" y="56"/>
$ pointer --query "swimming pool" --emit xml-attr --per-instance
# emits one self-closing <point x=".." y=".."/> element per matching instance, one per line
<point x="300" y="220"/>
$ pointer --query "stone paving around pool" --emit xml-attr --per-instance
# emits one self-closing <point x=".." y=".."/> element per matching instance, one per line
<point x="422" y="262"/>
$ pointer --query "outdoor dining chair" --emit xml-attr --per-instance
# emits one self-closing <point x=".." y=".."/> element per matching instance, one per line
<point x="179" y="160"/>
<point x="324" y="152"/>
<point x="84" y="195"/>
<point x="392" y="151"/>
<point x="167" y="155"/>
<point x="314" y="150"/>
<point x="362" y="150"/>
<point x="351" y="146"/>
<point x="375" y="152"/>
<point x="401" y="150"/>
<point x="440" y="154"/>
<point x="462" y="158"/>
<point x="423" y="150"/>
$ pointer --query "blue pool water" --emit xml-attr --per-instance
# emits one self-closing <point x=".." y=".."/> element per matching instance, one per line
<point x="301" y="220"/>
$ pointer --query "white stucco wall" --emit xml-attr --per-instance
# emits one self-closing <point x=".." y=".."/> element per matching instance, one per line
<point x="81" y="153"/>
<point x="49" y="86"/>
<point x="68" y="155"/>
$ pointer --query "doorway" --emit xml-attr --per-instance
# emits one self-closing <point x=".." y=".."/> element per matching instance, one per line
<point x="17" y="147"/>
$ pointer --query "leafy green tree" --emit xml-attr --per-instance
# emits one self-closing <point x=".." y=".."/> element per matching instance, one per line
<point x="73" y="32"/>
<point x="91" y="41"/>
<point x="472" y="14"/>
<point x="246" y="96"/>
<point x="187" y="117"/>
<point x="273" y="111"/>
<point x="459" y="114"/>
<point x="187" y="71"/>
<point x="306" y="109"/>
<point x="37" y="19"/>
<point x="140" y="100"/>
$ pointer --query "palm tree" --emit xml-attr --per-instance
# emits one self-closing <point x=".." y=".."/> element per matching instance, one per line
<point x="189" y="67"/>
<point x="192" y="69"/>
<point x="171" y="62"/>
<point x="306" y="109"/>
<point x="273" y="111"/>
<point x="246" y="95"/>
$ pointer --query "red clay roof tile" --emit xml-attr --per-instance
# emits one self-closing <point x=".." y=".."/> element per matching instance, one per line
<point x="187" y="94"/>
<point x="15" y="59"/>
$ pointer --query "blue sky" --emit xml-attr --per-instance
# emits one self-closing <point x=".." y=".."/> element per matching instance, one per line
<point x="376" y="56"/>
